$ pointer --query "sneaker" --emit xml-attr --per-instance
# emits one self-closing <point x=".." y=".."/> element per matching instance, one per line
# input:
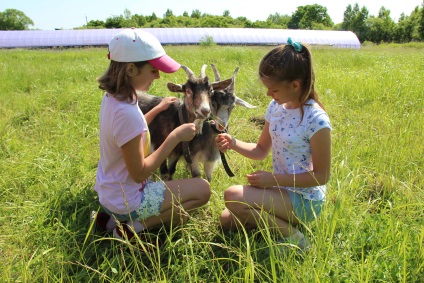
<point x="304" y="244"/>
<point x="286" y="246"/>
<point x="98" y="222"/>
<point x="144" y="242"/>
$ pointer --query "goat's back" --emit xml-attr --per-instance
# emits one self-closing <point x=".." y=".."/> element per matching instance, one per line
<point x="165" y="122"/>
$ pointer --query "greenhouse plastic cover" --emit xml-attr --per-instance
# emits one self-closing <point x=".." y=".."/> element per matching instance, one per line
<point x="231" y="36"/>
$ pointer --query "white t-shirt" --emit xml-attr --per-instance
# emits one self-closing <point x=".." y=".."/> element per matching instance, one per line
<point x="120" y="122"/>
<point x="291" y="149"/>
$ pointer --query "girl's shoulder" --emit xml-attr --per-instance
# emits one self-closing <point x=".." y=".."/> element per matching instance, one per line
<point x="315" y="116"/>
<point x="312" y="106"/>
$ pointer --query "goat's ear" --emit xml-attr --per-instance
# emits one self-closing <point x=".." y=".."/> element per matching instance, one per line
<point x="222" y="84"/>
<point x="188" y="92"/>
<point x="175" y="87"/>
<point x="241" y="102"/>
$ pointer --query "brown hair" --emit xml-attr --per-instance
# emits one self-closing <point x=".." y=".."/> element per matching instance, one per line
<point x="115" y="81"/>
<point x="284" y="63"/>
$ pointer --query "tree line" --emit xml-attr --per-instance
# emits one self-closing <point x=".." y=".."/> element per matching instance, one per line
<point x="378" y="29"/>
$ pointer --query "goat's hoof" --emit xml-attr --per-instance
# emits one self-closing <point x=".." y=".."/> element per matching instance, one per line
<point x="166" y="177"/>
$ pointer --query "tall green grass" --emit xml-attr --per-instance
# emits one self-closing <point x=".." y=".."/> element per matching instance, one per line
<point x="370" y="231"/>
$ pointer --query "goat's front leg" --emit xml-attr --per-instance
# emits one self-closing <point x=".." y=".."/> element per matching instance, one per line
<point x="172" y="165"/>
<point x="164" y="172"/>
<point x="194" y="167"/>
<point x="195" y="170"/>
<point x="209" y="167"/>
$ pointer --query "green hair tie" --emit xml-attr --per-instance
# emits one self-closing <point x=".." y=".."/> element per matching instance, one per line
<point x="296" y="45"/>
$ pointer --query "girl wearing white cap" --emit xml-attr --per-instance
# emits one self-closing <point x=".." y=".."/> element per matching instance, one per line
<point x="126" y="163"/>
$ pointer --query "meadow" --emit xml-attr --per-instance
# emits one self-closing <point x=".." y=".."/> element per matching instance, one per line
<point x="370" y="231"/>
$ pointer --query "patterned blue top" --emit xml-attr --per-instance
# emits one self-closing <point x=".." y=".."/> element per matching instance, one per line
<point x="291" y="149"/>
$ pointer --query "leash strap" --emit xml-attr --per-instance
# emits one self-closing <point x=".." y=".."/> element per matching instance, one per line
<point x="226" y="167"/>
<point x="223" y="159"/>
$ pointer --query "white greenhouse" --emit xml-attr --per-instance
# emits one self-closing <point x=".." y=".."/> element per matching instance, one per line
<point x="222" y="36"/>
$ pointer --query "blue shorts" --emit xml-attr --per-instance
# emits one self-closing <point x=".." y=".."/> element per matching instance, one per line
<point x="305" y="210"/>
<point x="152" y="198"/>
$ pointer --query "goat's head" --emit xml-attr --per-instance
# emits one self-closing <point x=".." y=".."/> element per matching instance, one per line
<point x="224" y="101"/>
<point x="197" y="92"/>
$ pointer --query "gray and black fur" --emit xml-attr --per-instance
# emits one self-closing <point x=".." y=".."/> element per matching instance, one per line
<point x="202" y="146"/>
<point x="195" y="105"/>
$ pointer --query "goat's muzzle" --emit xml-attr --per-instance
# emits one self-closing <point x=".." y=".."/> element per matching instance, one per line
<point x="217" y="127"/>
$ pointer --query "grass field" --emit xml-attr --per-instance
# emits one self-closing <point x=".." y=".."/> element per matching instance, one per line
<point x="371" y="230"/>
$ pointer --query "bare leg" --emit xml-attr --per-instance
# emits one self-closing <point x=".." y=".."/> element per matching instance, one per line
<point x="252" y="207"/>
<point x="181" y="198"/>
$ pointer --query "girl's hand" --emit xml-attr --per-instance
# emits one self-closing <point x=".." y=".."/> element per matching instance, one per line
<point x="224" y="142"/>
<point x="186" y="132"/>
<point x="164" y="104"/>
<point x="261" y="179"/>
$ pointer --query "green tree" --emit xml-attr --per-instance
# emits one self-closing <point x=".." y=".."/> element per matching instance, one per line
<point x="403" y="30"/>
<point x="196" y="14"/>
<point x="261" y="24"/>
<point x="115" y="22"/>
<point x="140" y="20"/>
<point x="242" y="22"/>
<point x="355" y="21"/>
<point x="376" y="30"/>
<point x="349" y="16"/>
<point x="279" y="20"/>
<point x="170" y="21"/>
<point x="153" y="17"/>
<point x="306" y="17"/>
<point x="12" y="19"/>
<point x="168" y="13"/>
<point x="129" y="21"/>
<point x="421" y="22"/>
<point x="182" y="21"/>
<point x="96" y="24"/>
<point x="380" y="28"/>
<point x="226" y="14"/>
<point x="215" y="21"/>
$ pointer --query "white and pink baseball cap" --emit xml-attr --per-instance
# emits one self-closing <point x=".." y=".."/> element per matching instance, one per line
<point x="135" y="45"/>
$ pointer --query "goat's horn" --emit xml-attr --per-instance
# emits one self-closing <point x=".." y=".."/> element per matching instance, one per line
<point x="203" y="71"/>
<point x="235" y="72"/>
<point x="231" y="86"/>
<point x="215" y="71"/>
<point x="188" y="71"/>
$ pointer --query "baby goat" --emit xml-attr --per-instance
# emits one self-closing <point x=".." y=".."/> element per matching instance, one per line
<point x="195" y="105"/>
<point x="202" y="147"/>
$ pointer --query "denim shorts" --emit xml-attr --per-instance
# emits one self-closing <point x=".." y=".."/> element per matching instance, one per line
<point x="152" y="198"/>
<point x="305" y="210"/>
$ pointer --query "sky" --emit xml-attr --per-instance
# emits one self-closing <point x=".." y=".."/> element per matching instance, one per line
<point x="66" y="14"/>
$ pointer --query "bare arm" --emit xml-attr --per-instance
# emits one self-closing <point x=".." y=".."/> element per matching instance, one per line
<point x="321" y="160"/>
<point x="256" y="151"/>
<point x="162" y="106"/>
<point x="139" y="167"/>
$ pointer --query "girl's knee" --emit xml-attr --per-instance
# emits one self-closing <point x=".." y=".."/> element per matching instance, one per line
<point x="233" y="193"/>
<point x="233" y="198"/>
<point x="203" y="190"/>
